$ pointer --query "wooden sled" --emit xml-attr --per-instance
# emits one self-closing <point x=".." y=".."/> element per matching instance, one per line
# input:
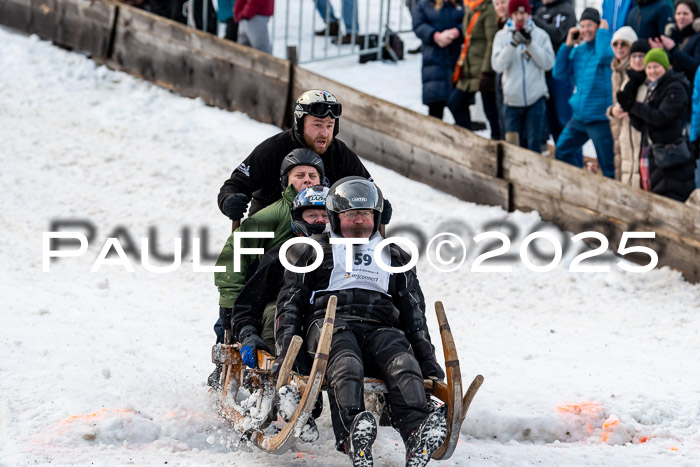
<point x="236" y="374"/>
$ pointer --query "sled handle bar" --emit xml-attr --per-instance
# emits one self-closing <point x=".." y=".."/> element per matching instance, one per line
<point x="286" y="369"/>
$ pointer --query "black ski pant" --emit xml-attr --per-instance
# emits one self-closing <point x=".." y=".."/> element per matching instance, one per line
<point x="359" y="350"/>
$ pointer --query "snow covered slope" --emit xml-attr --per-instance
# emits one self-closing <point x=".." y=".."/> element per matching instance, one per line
<point x="108" y="368"/>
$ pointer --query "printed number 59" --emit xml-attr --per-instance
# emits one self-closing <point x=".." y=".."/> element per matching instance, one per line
<point x="360" y="258"/>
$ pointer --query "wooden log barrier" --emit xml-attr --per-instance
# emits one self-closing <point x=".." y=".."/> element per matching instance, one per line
<point x="75" y="24"/>
<point x="577" y="201"/>
<point x="441" y="155"/>
<point x="197" y="64"/>
<point x="425" y="149"/>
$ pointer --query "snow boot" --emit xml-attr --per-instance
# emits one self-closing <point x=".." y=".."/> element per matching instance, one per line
<point x="358" y="445"/>
<point x="427" y="438"/>
<point x="214" y="379"/>
<point x="287" y="400"/>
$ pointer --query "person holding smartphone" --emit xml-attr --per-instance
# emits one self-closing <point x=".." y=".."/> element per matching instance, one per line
<point x="523" y="53"/>
<point x="586" y="55"/>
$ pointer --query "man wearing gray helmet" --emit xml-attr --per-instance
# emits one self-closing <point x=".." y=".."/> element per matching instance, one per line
<point x="380" y="327"/>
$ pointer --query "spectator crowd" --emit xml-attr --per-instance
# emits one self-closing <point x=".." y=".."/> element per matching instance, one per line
<point x="625" y="80"/>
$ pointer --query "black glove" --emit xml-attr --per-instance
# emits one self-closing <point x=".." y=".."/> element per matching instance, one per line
<point x="277" y="365"/>
<point x="386" y="212"/>
<point x="637" y="77"/>
<point x="520" y="37"/>
<point x="627" y="96"/>
<point x="430" y="368"/>
<point x="236" y="205"/>
<point x="423" y="350"/>
<point x="250" y="344"/>
<point x="225" y="315"/>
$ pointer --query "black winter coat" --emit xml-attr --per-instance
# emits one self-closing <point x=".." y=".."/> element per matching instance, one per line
<point x="258" y="176"/>
<point x="438" y="63"/>
<point x="260" y="289"/>
<point x="403" y="308"/>
<point x="685" y="56"/>
<point x="556" y="19"/>
<point x="661" y="117"/>
<point x="648" y="18"/>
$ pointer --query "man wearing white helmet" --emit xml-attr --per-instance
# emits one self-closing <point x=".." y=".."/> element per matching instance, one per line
<point x="316" y="119"/>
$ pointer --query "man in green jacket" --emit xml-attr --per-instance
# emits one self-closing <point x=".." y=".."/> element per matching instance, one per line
<point x="300" y="169"/>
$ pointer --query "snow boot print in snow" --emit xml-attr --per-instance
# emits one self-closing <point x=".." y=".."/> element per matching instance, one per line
<point x="359" y="443"/>
<point x="427" y="438"/>
<point x="288" y="399"/>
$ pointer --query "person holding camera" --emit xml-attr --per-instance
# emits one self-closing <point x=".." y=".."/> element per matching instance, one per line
<point x="523" y="53"/>
<point x="586" y="55"/>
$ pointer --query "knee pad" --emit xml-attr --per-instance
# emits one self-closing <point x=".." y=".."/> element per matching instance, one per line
<point x="345" y="377"/>
<point x="405" y="378"/>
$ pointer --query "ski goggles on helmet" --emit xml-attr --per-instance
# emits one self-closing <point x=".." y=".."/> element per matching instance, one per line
<point x="323" y="109"/>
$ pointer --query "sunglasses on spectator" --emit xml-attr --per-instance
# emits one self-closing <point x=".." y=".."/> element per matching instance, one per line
<point x="619" y="44"/>
<point x="323" y="109"/>
<point x="352" y="215"/>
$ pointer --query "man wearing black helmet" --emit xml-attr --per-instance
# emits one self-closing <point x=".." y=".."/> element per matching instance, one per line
<point x="316" y="124"/>
<point x="380" y="327"/>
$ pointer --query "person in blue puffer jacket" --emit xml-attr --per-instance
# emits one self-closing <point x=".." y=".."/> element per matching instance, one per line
<point x="695" y="124"/>
<point x="615" y="13"/>
<point x="438" y="23"/>
<point x="586" y="55"/>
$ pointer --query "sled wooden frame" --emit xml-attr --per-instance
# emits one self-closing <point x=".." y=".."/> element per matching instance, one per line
<point x="449" y="392"/>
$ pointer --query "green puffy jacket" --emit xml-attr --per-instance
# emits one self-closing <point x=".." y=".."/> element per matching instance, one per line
<point x="478" y="58"/>
<point x="276" y="218"/>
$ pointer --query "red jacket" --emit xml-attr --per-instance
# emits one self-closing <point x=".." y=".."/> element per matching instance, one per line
<point x="246" y="9"/>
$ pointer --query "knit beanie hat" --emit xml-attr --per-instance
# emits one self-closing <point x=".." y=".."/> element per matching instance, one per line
<point x="626" y="34"/>
<point x="641" y="45"/>
<point x="590" y="14"/>
<point x="515" y="5"/>
<point x="659" y="56"/>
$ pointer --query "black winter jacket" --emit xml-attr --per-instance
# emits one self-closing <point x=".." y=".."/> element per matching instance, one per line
<point x="648" y="18"/>
<point x="661" y="117"/>
<point x="685" y="56"/>
<point x="260" y="289"/>
<point x="661" y="114"/>
<point x="556" y="19"/>
<point x="403" y="308"/>
<point x="438" y="63"/>
<point x="258" y="176"/>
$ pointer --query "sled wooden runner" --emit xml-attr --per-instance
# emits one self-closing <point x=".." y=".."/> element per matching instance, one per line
<point x="456" y="405"/>
<point x="237" y="373"/>
<point x="284" y="440"/>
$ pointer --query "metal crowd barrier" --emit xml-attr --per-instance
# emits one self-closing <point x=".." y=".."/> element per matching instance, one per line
<point x="295" y="23"/>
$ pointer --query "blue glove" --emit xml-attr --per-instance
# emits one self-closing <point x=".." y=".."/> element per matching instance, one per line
<point x="236" y="205"/>
<point x="250" y="344"/>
